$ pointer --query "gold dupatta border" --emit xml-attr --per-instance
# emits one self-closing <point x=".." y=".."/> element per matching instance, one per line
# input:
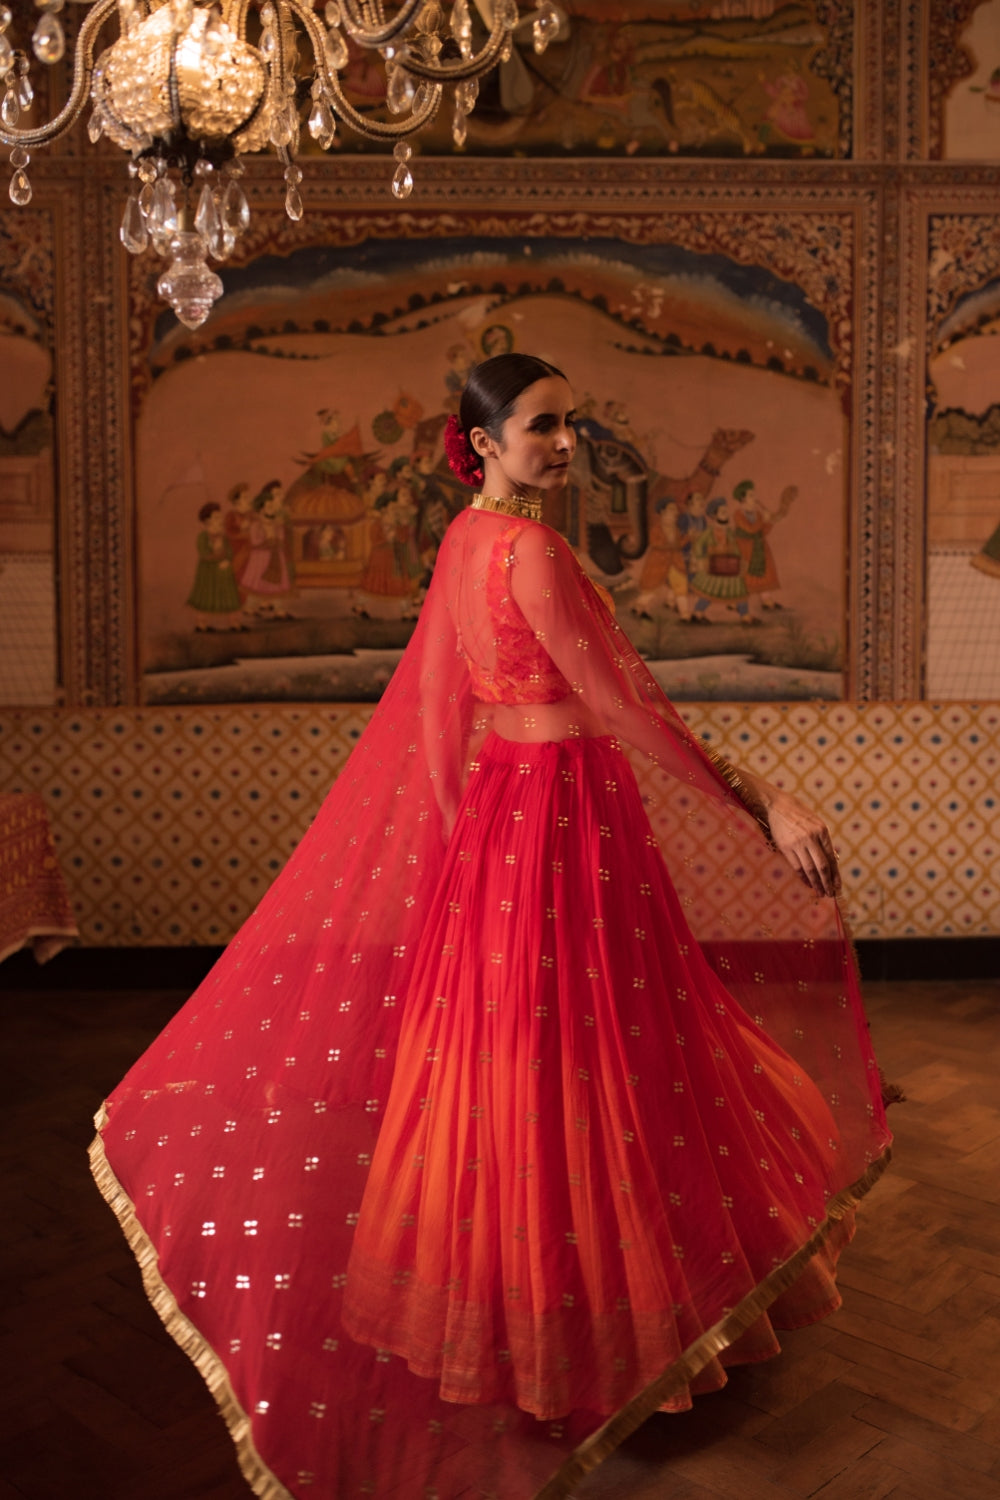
<point x="586" y="1457"/>
<point x="180" y="1328"/>
<point x="601" y="1444"/>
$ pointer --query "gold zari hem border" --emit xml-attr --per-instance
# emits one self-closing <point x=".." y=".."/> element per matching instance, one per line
<point x="180" y="1328"/>
<point x="586" y="1457"/>
<point x="602" y="1443"/>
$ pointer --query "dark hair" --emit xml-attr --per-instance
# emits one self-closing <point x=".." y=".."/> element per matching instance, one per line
<point x="490" y="393"/>
<point x="208" y="509"/>
<point x="492" y="389"/>
<point x="263" y="495"/>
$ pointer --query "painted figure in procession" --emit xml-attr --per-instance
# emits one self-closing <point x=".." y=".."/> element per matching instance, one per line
<point x="717" y="565"/>
<point x="214" y="595"/>
<point x="238" y="520"/>
<point x="664" y="575"/>
<point x="266" y="580"/>
<point x="752" y="525"/>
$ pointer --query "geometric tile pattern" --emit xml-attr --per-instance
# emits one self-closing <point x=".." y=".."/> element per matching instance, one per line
<point x="171" y="823"/>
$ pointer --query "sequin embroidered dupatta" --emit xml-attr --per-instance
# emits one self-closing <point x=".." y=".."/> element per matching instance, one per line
<point x="477" y="947"/>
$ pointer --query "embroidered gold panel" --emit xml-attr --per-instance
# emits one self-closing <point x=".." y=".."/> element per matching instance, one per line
<point x="171" y="823"/>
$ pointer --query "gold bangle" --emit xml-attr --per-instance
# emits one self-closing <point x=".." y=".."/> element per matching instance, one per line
<point x="736" y="784"/>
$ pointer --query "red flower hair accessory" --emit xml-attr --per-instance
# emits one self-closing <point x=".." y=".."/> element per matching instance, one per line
<point x="463" y="460"/>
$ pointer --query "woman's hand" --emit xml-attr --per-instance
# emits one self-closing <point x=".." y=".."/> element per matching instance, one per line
<point x="803" y="839"/>
<point x="797" y="833"/>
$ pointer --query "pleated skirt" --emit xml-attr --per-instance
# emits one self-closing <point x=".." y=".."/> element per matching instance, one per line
<point x="590" y="1152"/>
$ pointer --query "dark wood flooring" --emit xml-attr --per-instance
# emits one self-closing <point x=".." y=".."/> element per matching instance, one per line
<point x="896" y="1396"/>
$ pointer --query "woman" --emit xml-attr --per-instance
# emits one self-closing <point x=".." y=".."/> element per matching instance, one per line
<point x="467" y="1157"/>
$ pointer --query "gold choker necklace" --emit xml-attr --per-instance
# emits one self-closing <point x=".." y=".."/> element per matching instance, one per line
<point x="518" y="505"/>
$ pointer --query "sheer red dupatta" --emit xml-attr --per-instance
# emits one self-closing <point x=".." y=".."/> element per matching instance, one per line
<point x="780" y="951"/>
<point x="236" y="1151"/>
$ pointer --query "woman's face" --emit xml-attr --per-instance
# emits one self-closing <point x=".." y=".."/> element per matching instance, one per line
<point x="537" y="442"/>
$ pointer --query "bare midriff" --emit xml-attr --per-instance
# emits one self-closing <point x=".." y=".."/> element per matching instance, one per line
<point x="534" y="722"/>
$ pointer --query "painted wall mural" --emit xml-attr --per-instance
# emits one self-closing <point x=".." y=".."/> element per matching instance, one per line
<point x="963" y="458"/>
<point x="747" y="78"/>
<point x="292" y="490"/>
<point x="28" y="658"/>
<point x="970" y="125"/>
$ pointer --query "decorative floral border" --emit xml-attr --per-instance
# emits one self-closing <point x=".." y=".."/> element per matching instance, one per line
<point x="816" y="253"/>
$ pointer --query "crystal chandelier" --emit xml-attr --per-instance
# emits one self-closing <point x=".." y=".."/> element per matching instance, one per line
<point x="189" y="87"/>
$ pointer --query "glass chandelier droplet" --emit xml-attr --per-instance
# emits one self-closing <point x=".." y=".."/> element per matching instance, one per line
<point x="133" y="233"/>
<point x="335" y="50"/>
<point x="6" y="54"/>
<point x="402" y="181"/>
<point x="188" y="284"/>
<point x="162" y="216"/>
<point x="545" y="27"/>
<point x="293" y="203"/>
<point x="461" y="22"/>
<point x="235" y="208"/>
<point x="25" y="93"/>
<point x="19" y="157"/>
<point x="214" y="40"/>
<point x="459" y="128"/>
<point x="206" y="219"/>
<point x="332" y="12"/>
<point x="48" y="39"/>
<point x="322" y="125"/>
<point x="282" y="126"/>
<point x="466" y="94"/>
<point x="10" y="110"/>
<point x="146" y="198"/>
<point x="5" y="17"/>
<point x="220" y="246"/>
<point x="95" y="126"/>
<point x="399" y="89"/>
<point x="20" y="188"/>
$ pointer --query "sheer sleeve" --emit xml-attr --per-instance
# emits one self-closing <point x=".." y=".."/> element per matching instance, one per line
<point x="586" y="643"/>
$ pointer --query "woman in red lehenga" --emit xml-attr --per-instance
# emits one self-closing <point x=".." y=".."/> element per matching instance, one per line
<point x="487" y="1137"/>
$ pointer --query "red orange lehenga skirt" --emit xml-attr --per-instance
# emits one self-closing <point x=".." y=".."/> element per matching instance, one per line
<point x="589" y="1152"/>
<point x="593" y="1174"/>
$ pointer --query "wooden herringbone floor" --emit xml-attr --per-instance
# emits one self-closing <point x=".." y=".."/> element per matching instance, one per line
<point x="897" y="1396"/>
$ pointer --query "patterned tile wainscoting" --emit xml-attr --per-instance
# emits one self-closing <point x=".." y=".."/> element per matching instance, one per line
<point x="171" y="823"/>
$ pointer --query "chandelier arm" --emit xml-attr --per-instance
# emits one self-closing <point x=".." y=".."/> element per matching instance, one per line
<point x="382" y="130"/>
<point x="376" y="36"/>
<point x="375" y="130"/>
<point x="83" y="67"/>
<point x="456" y="72"/>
